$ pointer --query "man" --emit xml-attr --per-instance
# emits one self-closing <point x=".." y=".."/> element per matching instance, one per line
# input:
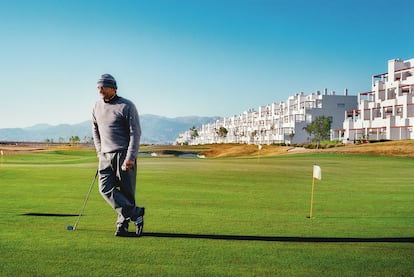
<point x="116" y="135"/>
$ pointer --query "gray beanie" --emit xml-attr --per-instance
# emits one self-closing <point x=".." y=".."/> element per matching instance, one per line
<point x="107" y="81"/>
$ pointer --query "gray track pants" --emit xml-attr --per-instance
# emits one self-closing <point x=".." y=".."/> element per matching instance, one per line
<point x="117" y="186"/>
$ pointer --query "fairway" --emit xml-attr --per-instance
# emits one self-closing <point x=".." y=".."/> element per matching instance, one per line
<point x="211" y="217"/>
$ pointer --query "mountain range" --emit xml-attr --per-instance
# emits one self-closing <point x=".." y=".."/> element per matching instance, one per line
<point x="155" y="130"/>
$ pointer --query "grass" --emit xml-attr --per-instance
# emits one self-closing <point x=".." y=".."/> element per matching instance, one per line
<point x="358" y="197"/>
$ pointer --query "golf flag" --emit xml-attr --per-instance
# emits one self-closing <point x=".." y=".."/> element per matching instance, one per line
<point x="259" y="146"/>
<point x="317" y="173"/>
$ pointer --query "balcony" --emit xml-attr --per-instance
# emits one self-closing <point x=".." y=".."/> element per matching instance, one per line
<point x="353" y="114"/>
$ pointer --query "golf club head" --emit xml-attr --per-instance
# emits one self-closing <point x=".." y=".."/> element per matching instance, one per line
<point x="70" y="228"/>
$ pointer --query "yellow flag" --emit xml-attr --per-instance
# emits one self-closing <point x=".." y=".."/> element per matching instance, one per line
<point x="317" y="172"/>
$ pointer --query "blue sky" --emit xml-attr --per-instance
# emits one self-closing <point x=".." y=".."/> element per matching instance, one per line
<point x="190" y="57"/>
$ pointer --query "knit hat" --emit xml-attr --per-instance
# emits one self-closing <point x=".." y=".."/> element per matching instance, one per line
<point x="107" y="81"/>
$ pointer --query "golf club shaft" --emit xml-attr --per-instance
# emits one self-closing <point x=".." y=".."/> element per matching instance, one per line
<point x="86" y="200"/>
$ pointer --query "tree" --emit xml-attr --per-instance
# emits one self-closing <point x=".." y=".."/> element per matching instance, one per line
<point x="291" y="136"/>
<point x="74" y="139"/>
<point x="194" y="132"/>
<point x="319" y="128"/>
<point x="222" y="132"/>
<point x="88" y="139"/>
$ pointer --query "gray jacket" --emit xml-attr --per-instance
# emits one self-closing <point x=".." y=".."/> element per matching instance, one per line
<point x="116" y="127"/>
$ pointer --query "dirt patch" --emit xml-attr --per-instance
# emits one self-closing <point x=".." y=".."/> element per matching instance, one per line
<point x="391" y="148"/>
<point x="243" y="150"/>
<point x="19" y="148"/>
<point x="404" y="148"/>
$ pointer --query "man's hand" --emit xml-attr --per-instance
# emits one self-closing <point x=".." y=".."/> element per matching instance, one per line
<point x="128" y="164"/>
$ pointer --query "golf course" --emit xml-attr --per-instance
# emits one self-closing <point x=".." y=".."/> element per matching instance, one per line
<point x="241" y="214"/>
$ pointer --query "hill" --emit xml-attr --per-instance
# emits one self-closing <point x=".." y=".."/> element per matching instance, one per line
<point x="155" y="130"/>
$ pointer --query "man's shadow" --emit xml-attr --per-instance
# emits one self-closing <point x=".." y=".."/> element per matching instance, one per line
<point x="276" y="238"/>
<point x="250" y="238"/>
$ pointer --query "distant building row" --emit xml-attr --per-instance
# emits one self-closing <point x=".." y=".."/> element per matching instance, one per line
<point x="386" y="112"/>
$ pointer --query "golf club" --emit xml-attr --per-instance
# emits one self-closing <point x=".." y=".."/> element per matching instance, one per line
<point x="69" y="227"/>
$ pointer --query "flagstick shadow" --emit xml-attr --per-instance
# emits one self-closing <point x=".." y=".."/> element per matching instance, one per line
<point x="363" y="217"/>
<point x="275" y="238"/>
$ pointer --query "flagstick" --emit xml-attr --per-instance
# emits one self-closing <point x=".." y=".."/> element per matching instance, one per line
<point x="311" y="203"/>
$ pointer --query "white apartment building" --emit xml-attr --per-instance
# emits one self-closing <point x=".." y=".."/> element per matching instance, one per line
<point x="275" y="123"/>
<point x="387" y="111"/>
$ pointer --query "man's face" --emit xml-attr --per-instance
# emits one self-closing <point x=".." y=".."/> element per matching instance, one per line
<point x="106" y="93"/>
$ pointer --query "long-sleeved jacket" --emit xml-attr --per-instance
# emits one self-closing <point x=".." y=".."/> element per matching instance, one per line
<point x="116" y="127"/>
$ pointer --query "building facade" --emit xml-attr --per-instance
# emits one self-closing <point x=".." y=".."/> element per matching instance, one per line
<point x="275" y="123"/>
<point x="387" y="111"/>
